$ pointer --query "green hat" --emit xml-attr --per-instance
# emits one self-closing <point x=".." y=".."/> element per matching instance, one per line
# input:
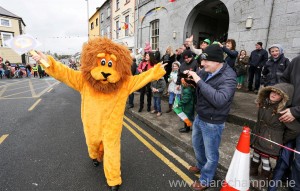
<point x="215" y="42"/>
<point x="207" y="41"/>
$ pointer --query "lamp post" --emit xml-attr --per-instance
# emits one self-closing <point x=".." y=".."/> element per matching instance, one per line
<point x="88" y="18"/>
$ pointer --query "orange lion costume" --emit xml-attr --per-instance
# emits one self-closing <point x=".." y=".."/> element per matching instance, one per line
<point x="104" y="82"/>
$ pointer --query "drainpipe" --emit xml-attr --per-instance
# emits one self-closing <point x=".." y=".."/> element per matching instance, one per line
<point x="270" y="19"/>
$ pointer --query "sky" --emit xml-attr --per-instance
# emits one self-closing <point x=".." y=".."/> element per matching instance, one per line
<point x="61" y="26"/>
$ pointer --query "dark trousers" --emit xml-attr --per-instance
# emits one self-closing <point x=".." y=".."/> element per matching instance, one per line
<point x="145" y="90"/>
<point x="295" y="175"/>
<point x="282" y="167"/>
<point x="254" y="71"/>
<point x="130" y="99"/>
<point x="35" y="74"/>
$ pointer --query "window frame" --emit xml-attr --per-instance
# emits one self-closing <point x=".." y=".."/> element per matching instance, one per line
<point x="154" y="33"/>
<point x="108" y="12"/>
<point x="3" y="40"/>
<point x="117" y="29"/>
<point x="127" y="22"/>
<point x="117" y="5"/>
<point x="9" y="22"/>
<point x="101" y="17"/>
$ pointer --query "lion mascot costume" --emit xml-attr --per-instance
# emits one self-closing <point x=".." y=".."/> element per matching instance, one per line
<point x="104" y="82"/>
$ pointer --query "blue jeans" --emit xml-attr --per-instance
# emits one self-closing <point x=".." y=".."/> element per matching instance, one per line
<point x="172" y="97"/>
<point x="206" y="138"/>
<point x="295" y="175"/>
<point x="157" y="101"/>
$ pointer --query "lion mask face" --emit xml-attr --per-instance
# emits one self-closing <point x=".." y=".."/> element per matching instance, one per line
<point x="105" y="64"/>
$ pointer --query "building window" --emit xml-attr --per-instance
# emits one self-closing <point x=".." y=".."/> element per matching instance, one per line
<point x="117" y="29"/>
<point x="126" y="25"/>
<point x="108" y="31"/>
<point x="102" y="17"/>
<point x="92" y="25"/>
<point x="5" y="36"/>
<point x="97" y="22"/>
<point x="108" y="12"/>
<point x="5" y="23"/>
<point x="154" y="34"/>
<point x="117" y="4"/>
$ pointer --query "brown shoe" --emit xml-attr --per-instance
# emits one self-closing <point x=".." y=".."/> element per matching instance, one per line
<point x="194" y="169"/>
<point x="198" y="186"/>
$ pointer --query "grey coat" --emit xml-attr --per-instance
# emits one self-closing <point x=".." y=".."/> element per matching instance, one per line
<point x="160" y="85"/>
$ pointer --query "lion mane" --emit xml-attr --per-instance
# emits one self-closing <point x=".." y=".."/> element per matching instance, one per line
<point x="91" y="49"/>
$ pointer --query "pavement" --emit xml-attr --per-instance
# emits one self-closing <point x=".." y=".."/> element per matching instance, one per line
<point x="243" y="112"/>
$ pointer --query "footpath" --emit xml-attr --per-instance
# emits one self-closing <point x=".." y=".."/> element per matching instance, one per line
<point x="243" y="112"/>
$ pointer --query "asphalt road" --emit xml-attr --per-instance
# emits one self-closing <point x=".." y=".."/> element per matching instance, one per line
<point x="42" y="145"/>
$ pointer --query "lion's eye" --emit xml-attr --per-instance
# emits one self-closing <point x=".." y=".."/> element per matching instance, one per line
<point x="109" y="64"/>
<point x="103" y="62"/>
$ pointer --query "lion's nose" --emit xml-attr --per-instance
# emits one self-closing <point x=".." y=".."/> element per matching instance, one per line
<point x="105" y="75"/>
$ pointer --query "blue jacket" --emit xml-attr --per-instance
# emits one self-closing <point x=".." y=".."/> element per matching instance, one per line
<point x="258" y="58"/>
<point x="215" y="96"/>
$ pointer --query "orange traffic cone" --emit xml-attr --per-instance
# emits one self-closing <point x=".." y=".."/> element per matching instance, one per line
<point x="237" y="177"/>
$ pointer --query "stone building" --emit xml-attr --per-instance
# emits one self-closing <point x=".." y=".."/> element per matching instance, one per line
<point x="105" y="19"/>
<point x="164" y="23"/>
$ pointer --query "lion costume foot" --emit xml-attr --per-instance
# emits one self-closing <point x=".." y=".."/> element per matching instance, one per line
<point x="115" y="188"/>
<point x="96" y="162"/>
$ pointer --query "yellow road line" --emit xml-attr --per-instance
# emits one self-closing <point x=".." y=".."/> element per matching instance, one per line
<point x="35" y="104"/>
<point x="50" y="90"/>
<point x="33" y="94"/>
<point x="3" y="137"/>
<point x="171" y="153"/>
<point x="187" y="179"/>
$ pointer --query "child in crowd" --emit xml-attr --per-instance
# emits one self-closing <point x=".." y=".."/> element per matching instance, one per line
<point x="186" y="104"/>
<point x="241" y="68"/>
<point x="158" y="87"/>
<point x="172" y="85"/>
<point x="271" y="100"/>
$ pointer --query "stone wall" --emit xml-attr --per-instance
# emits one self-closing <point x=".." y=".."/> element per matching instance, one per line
<point x="283" y="27"/>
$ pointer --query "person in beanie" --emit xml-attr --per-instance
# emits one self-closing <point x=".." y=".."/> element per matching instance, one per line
<point x="215" y="88"/>
<point x="257" y="60"/>
<point x="275" y="66"/>
<point x="189" y="63"/>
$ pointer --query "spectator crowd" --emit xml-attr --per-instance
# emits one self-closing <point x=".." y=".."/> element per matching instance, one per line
<point x="200" y="83"/>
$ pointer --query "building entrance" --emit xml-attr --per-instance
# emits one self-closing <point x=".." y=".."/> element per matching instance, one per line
<point x="209" y="19"/>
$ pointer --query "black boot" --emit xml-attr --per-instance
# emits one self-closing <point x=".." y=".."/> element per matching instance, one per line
<point x="186" y="129"/>
<point x="141" y="109"/>
<point x="149" y="108"/>
<point x="254" y="168"/>
<point x="115" y="188"/>
<point x="170" y="108"/>
<point x="96" y="162"/>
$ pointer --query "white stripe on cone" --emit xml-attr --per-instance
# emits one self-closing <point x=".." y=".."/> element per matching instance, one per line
<point x="238" y="173"/>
